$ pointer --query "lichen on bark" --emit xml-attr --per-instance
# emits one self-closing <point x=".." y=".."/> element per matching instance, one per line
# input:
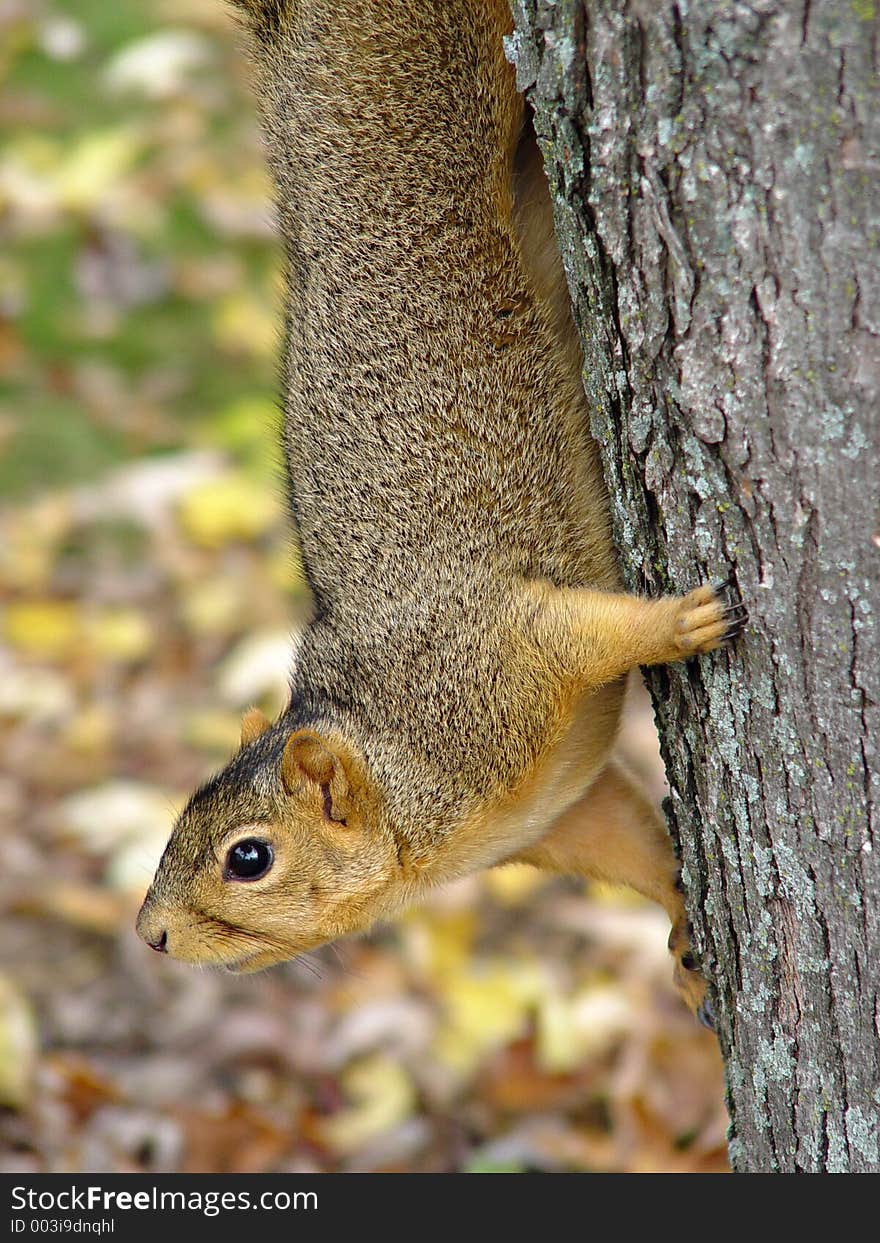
<point x="716" y="177"/>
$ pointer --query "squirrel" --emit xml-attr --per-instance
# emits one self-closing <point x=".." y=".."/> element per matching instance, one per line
<point x="457" y="692"/>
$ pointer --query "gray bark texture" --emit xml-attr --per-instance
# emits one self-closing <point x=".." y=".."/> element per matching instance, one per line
<point x="714" y="168"/>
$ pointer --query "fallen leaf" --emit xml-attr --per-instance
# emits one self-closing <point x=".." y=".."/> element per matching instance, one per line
<point x="79" y="1084"/>
<point x="485" y="1006"/>
<point x="214" y="607"/>
<point x="245" y="324"/>
<point x="230" y="508"/>
<point x="236" y="1140"/>
<point x="91" y="165"/>
<point x="90" y="730"/>
<point x="18" y="1045"/>
<point x="33" y="694"/>
<point x="120" y="635"/>
<point x="212" y="731"/>
<point x="514" y="883"/>
<point x="382" y="1096"/>
<point x="48" y="628"/>
<point x="103" y="817"/>
<point x="85" y="906"/>
<point x="258" y="667"/>
<point x="160" y="65"/>
<point x="571" y="1029"/>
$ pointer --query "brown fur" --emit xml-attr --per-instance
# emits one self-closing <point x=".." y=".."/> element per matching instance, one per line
<point x="457" y="693"/>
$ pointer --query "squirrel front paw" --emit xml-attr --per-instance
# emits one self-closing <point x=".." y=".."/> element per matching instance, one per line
<point x="710" y="617"/>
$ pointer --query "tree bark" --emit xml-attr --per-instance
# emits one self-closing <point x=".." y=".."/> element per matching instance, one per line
<point x="714" y="168"/>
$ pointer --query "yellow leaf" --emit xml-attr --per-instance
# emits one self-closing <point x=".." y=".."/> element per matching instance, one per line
<point x="120" y="634"/>
<point x="213" y="731"/>
<point x="243" y="324"/>
<point x="29" y="542"/>
<point x="91" y="730"/>
<point x="248" y="428"/>
<point x="514" y="883"/>
<point x="440" y="943"/>
<point x="214" y="607"/>
<point x="570" y="1029"/>
<point x="382" y="1097"/>
<point x="18" y="1045"/>
<point x="229" y="508"/>
<point x="94" y="163"/>
<point x="485" y="1008"/>
<point x="47" y="628"/>
<point x="557" y="1043"/>
<point x="603" y="894"/>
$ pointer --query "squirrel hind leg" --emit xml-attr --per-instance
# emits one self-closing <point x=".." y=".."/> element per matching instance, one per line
<point x="689" y="981"/>
<point x="615" y="833"/>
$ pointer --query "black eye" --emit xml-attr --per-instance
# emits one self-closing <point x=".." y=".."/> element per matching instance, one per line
<point x="248" y="860"/>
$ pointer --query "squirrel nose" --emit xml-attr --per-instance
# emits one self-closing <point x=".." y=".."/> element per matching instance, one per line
<point x="151" y="926"/>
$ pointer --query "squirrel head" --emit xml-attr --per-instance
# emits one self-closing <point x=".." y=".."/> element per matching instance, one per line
<point x="286" y="848"/>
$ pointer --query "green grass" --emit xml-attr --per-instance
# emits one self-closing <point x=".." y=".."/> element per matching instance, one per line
<point x="51" y="437"/>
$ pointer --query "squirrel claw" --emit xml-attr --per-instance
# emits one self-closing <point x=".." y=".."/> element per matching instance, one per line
<point x="706" y="1015"/>
<point x="722" y="584"/>
<point x="734" y="614"/>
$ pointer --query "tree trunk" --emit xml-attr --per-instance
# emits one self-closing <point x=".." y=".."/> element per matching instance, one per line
<point x="715" y="174"/>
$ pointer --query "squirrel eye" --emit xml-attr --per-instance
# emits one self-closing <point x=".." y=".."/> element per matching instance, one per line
<point x="248" y="860"/>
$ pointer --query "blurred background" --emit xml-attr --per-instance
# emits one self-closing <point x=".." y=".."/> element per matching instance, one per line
<point x="148" y="595"/>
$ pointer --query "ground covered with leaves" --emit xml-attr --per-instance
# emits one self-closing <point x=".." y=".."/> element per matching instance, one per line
<point x="148" y="594"/>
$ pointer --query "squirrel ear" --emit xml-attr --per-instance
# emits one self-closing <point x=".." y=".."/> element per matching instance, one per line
<point x="253" y="723"/>
<point x="310" y="757"/>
